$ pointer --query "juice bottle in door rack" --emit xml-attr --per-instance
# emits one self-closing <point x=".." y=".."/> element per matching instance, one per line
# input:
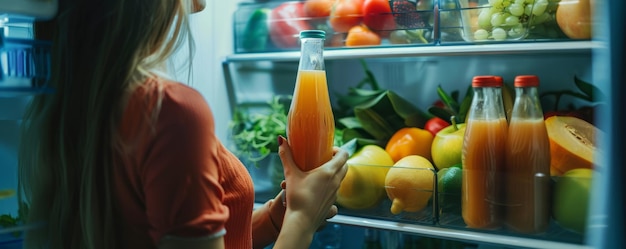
<point x="483" y="155"/>
<point x="527" y="167"/>
<point x="310" y="121"/>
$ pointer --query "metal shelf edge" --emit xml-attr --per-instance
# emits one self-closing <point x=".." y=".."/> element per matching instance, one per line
<point x="440" y="50"/>
<point x="454" y="234"/>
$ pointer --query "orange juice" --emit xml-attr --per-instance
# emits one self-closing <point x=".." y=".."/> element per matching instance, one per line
<point x="310" y="121"/>
<point x="527" y="169"/>
<point x="527" y="176"/>
<point x="483" y="162"/>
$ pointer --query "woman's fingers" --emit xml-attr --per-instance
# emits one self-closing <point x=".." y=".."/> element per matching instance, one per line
<point x="340" y="156"/>
<point x="332" y="212"/>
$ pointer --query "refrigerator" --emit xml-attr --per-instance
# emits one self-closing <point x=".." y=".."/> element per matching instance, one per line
<point x="229" y="79"/>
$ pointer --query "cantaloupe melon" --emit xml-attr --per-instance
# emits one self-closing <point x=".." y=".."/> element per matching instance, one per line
<point x="572" y="143"/>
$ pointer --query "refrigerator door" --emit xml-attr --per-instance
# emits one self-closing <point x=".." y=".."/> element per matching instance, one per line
<point x="40" y="9"/>
<point x="606" y="222"/>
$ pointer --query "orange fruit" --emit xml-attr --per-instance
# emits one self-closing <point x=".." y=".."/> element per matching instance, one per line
<point x="572" y="143"/>
<point x="345" y="14"/>
<point x="360" y="35"/>
<point x="409" y="184"/>
<point x="410" y="141"/>
<point x="318" y="8"/>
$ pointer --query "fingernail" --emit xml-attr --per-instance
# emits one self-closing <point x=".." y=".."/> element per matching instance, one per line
<point x="280" y="140"/>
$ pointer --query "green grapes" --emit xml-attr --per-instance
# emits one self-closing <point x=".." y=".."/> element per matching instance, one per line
<point x="498" y="34"/>
<point x="481" y="34"/>
<point x="510" y="19"/>
<point x="516" y="9"/>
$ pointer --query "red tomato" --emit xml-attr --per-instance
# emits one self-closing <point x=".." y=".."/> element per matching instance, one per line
<point x="439" y="103"/>
<point x="285" y="23"/>
<point x="435" y="124"/>
<point x="377" y="15"/>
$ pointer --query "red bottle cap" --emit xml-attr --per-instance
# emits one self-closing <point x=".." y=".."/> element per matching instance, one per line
<point x="526" y="81"/>
<point x="487" y="81"/>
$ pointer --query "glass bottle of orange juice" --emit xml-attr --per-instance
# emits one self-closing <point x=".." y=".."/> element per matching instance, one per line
<point x="310" y="121"/>
<point x="527" y="161"/>
<point x="483" y="155"/>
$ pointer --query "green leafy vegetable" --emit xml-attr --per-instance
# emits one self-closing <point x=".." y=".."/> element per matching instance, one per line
<point x="451" y="107"/>
<point x="254" y="135"/>
<point x="8" y="220"/>
<point x="587" y="92"/>
<point x="372" y="115"/>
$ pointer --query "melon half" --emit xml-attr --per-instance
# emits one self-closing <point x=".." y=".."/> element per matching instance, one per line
<point x="572" y="143"/>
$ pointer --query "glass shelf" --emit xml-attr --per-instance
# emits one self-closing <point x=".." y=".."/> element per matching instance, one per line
<point x="442" y="50"/>
<point x="438" y="231"/>
<point x="455" y="234"/>
<point x="23" y="91"/>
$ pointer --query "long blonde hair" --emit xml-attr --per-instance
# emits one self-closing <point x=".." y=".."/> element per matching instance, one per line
<point x="102" y="50"/>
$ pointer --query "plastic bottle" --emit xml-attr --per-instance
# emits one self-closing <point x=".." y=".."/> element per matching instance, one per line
<point x="310" y="121"/>
<point x="527" y="161"/>
<point x="483" y="155"/>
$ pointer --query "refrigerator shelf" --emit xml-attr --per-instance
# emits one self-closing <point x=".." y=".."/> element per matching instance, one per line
<point x="436" y="231"/>
<point x="455" y="234"/>
<point x="441" y="217"/>
<point x="560" y="47"/>
<point x="13" y="237"/>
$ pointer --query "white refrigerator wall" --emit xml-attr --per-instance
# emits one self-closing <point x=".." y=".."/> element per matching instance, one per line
<point x="213" y="36"/>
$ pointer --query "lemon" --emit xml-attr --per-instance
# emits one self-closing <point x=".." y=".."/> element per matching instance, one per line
<point x="6" y="193"/>
<point x="409" y="184"/>
<point x="363" y="185"/>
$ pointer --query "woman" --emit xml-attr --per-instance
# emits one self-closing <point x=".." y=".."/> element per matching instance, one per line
<point x="120" y="156"/>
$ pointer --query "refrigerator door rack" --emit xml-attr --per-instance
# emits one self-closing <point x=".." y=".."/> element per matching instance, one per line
<point x="24" y="61"/>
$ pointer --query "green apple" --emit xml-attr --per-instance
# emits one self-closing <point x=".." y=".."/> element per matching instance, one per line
<point x="571" y="199"/>
<point x="447" y="146"/>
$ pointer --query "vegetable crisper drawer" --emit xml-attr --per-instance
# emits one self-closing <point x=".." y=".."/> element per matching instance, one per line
<point x="274" y="26"/>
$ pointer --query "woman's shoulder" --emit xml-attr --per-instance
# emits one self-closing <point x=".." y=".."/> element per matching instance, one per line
<point x="179" y="92"/>
<point x="177" y="101"/>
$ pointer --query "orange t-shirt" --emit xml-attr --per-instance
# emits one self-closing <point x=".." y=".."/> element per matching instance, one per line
<point x="174" y="177"/>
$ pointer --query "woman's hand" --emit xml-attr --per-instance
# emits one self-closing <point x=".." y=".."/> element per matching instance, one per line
<point x="310" y="195"/>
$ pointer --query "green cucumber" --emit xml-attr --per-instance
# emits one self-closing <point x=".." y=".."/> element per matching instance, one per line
<point x="256" y="32"/>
